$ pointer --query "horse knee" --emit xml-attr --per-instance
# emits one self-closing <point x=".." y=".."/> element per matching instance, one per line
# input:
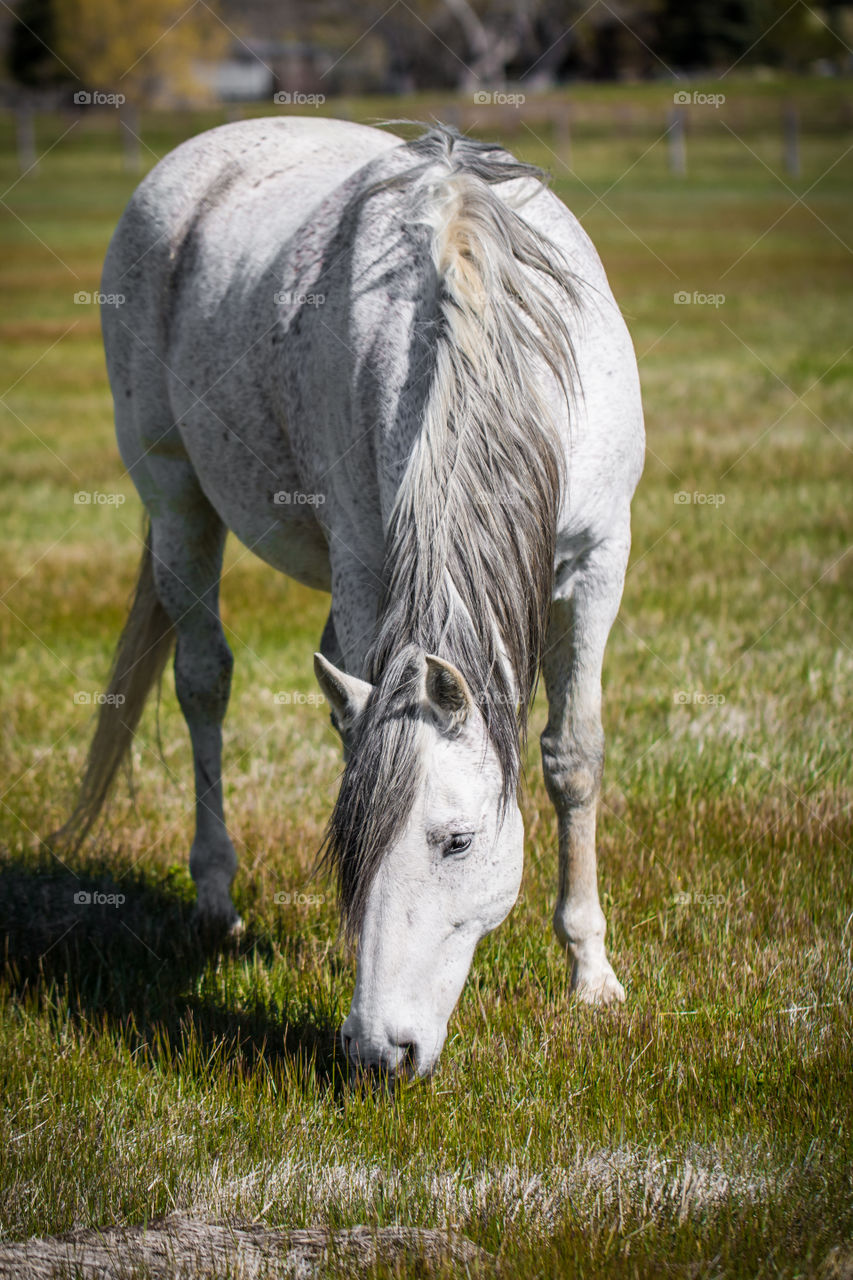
<point x="573" y="771"/>
<point x="203" y="676"/>
<point x="213" y="859"/>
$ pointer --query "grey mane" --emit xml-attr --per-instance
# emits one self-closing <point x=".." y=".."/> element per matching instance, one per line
<point x="469" y="551"/>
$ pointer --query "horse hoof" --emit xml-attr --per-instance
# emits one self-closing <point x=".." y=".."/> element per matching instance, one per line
<point x="602" y="988"/>
<point x="217" y="924"/>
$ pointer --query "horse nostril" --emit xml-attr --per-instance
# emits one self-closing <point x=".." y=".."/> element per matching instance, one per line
<point x="408" y="1059"/>
<point x="380" y="1057"/>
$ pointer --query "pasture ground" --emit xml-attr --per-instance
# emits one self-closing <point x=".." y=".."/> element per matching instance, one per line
<point x="701" y="1130"/>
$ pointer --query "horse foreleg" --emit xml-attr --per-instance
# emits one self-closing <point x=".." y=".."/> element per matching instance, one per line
<point x="329" y="646"/>
<point x="188" y="551"/>
<point x="573" y="761"/>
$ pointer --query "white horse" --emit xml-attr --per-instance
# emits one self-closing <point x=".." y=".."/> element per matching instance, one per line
<point x="396" y="371"/>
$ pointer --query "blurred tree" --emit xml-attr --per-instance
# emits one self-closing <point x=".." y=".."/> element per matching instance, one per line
<point x="148" y="50"/>
<point x="617" y="40"/>
<point x="808" y="34"/>
<point x="719" y="33"/>
<point x="492" y="40"/>
<point x="480" y="44"/>
<point x="30" y="57"/>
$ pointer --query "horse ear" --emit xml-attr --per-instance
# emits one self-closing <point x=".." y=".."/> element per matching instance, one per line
<point x="447" y="693"/>
<point x="346" y="695"/>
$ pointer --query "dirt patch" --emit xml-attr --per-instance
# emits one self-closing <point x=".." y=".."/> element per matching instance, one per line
<point x="838" y="1264"/>
<point x="181" y="1247"/>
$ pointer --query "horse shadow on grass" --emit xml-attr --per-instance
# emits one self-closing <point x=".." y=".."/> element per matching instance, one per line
<point x="119" y="951"/>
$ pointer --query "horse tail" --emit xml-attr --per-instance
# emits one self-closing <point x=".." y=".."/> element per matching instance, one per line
<point x="140" y="657"/>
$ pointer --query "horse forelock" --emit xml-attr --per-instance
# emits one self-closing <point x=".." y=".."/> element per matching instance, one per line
<point x="469" y="555"/>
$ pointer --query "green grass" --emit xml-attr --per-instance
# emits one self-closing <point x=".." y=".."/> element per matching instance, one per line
<point x="703" y="1129"/>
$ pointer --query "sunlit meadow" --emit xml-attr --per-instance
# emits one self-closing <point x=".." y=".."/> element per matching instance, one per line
<point x="704" y="1128"/>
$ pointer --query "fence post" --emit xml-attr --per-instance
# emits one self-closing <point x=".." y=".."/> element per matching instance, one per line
<point x="677" y="148"/>
<point x="25" y="136"/>
<point x="563" y="133"/>
<point x="791" y="130"/>
<point x="129" y="125"/>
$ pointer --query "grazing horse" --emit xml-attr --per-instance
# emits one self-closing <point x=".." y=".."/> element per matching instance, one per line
<point x="395" y="370"/>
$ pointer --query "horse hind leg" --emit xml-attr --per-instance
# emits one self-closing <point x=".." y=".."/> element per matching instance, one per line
<point x="188" y="540"/>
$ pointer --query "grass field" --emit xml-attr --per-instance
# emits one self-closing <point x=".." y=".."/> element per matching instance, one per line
<point x="701" y="1130"/>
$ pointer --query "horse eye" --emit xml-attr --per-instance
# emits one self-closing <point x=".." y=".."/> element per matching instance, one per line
<point x="459" y="843"/>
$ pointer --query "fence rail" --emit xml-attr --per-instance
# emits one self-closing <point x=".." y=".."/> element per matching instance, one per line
<point x="559" y="120"/>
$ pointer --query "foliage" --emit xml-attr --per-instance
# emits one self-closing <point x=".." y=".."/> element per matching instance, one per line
<point x="146" y="50"/>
